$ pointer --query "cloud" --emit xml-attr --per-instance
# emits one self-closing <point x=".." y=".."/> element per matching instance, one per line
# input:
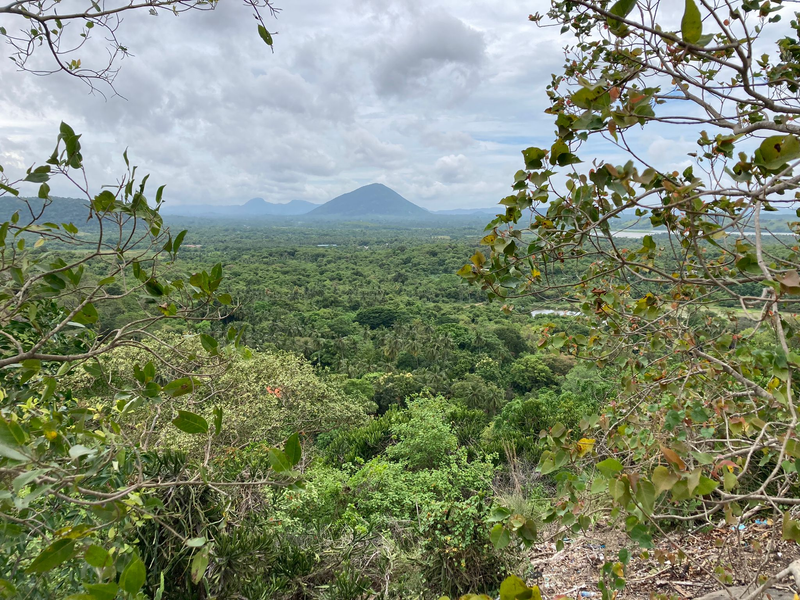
<point x="453" y="168"/>
<point x="417" y="95"/>
<point x="436" y="52"/>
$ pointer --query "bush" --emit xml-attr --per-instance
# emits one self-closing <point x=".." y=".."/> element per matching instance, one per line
<point x="425" y="439"/>
<point x="529" y="373"/>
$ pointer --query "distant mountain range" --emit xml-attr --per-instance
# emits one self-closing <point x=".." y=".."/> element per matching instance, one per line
<point x="257" y="207"/>
<point x="373" y="201"/>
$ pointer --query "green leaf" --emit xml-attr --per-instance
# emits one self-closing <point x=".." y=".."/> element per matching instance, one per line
<point x="646" y="496"/>
<point x="197" y="542"/>
<point x="9" y="452"/>
<point x="21" y="481"/>
<point x="729" y="480"/>
<point x="199" y="565"/>
<point x="210" y="345"/>
<point x="52" y="556"/>
<point x="97" y="557"/>
<point x="265" y="35"/>
<point x="663" y="479"/>
<point x="513" y="588"/>
<point x="499" y="513"/>
<point x="533" y="158"/>
<point x="777" y="150"/>
<point x="692" y="23"/>
<point x="279" y="461"/>
<point x="78" y="450"/>
<point x="154" y="288"/>
<point x="499" y="536"/>
<point x="790" y="529"/>
<point x="217" y="420"/>
<point x="189" y="422"/>
<point x="609" y="467"/>
<point x="133" y="577"/>
<point x="641" y="535"/>
<point x="179" y="387"/>
<point x="622" y="8"/>
<point x="706" y="486"/>
<point x="102" y="591"/>
<point x="104" y="201"/>
<point x="292" y="449"/>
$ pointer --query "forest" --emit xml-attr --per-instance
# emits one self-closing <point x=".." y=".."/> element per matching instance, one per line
<point x="589" y="393"/>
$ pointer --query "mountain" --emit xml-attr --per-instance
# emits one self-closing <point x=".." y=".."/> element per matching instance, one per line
<point x="491" y="210"/>
<point x="256" y="207"/>
<point x="374" y="200"/>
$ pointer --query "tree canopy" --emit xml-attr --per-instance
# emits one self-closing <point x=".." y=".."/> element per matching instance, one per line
<point x="698" y="319"/>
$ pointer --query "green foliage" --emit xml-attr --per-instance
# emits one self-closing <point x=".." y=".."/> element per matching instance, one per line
<point x="425" y="440"/>
<point x="529" y="373"/>
<point x="692" y="326"/>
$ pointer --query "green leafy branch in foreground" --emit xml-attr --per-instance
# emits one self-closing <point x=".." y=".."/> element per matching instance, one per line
<point x="77" y="475"/>
<point x="698" y="320"/>
<point x="512" y="588"/>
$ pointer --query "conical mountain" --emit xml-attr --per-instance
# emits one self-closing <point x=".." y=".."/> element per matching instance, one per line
<point x="374" y="200"/>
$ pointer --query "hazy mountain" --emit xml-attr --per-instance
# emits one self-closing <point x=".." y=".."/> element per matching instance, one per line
<point x="61" y="210"/>
<point x="256" y="207"/>
<point x="491" y="210"/>
<point x="374" y="200"/>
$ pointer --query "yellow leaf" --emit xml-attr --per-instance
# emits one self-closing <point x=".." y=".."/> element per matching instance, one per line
<point x="585" y="446"/>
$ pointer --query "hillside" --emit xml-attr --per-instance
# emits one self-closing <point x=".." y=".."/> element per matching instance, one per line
<point x="256" y="207"/>
<point x="374" y="200"/>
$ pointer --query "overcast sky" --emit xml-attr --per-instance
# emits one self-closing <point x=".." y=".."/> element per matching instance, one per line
<point x="434" y="98"/>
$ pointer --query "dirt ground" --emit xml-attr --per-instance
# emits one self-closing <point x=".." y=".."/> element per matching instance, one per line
<point x="683" y="567"/>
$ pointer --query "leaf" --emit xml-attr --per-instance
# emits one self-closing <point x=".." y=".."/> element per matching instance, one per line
<point x="210" y="345"/>
<point x="622" y="8"/>
<point x="197" y="542"/>
<point x="52" y="556"/>
<point x="77" y="451"/>
<point x="279" y="461"/>
<point x="692" y="23"/>
<point x="499" y="536"/>
<point x="199" y="565"/>
<point x="189" y="422"/>
<point x="777" y="150"/>
<point x="292" y="449"/>
<point x="179" y="387"/>
<point x="533" y="158"/>
<point x="585" y="446"/>
<point x="663" y="479"/>
<point x="217" y="420"/>
<point x="706" y="486"/>
<point x="20" y="481"/>
<point x="673" y="458"/>
<point x="512" y="588"/>
<point x="102" y="591"/>
<point x="97" y="557"/>
<point x="499" y="513"/>
<point x="9" y="452"/>
<point x="729" y="480"/>
<point x="104" y="201"/>
<point x="133" y="577"/>
<point x="646" y="496"/>
<point x="790" y="282"/>
<point x="609" y="467"/>
<point x="265" y="35"/>
<point x="790" y="528"/>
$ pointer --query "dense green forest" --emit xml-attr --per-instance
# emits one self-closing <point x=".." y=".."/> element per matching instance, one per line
<point x="373" y="402"/>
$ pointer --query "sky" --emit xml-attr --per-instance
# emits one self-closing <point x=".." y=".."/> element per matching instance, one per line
<point x="434" y="98"/>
